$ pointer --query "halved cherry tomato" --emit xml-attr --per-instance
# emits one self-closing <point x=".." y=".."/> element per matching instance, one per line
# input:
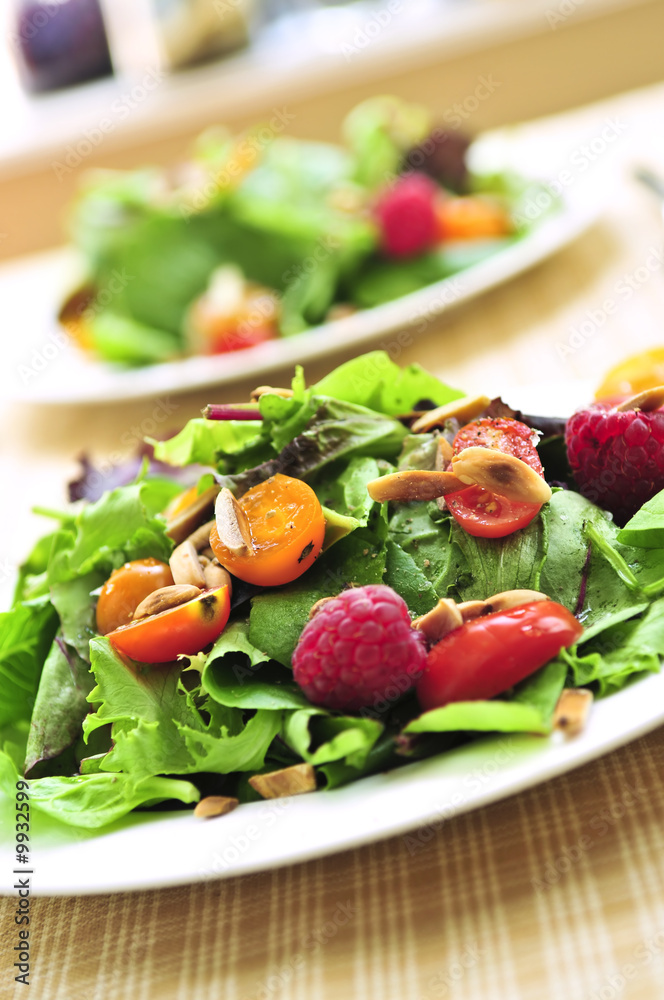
<point x="488" y="655"/>
<point x="287" y="530"/>
<point x="471" y="218"/>
<point x="486" y="515"/>
<point x="186" y="629"/>
<point x="125" y="588"/>
<point x="478" y="511"/>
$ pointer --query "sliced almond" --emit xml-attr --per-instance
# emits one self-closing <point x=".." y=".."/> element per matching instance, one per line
<point x="444" y="618"/>
<point x="263" y="390"/>
<point x="473" y="609"/>
<point x="571" y="712"/>
<point x="464" y="410"/>
<point x="185" y="565"/>
<point x="183" y="524"/>
<point x="444" y="453"/>
<point x="414" y="484"/>
<point x="500" y="473"/>
<point x="294" y="780"/>
<point x="216" y="576"/>
<point x="233" y="524"/>
<point x="513" y="599"/>
<point x="164" y="599"/>
<point x="648" y="400"/>
<point x="215" y="805"/>
<point x="200" y="538"/>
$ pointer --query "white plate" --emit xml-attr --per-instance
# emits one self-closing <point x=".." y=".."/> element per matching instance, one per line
<point x="44" y="371"/>
<point x="149" y="851"/>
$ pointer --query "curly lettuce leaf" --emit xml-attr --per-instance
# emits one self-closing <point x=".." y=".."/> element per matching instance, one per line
<point x="158" y="727"/>
<point x="320" y="738"/>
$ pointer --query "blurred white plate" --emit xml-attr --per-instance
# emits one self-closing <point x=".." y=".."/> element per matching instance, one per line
<point x="156" y="850"/>
<point x="41" y="370"/>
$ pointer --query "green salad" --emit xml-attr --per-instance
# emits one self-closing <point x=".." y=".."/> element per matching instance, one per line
<point x="98" y="734"/>
<point x="263" y="235"/>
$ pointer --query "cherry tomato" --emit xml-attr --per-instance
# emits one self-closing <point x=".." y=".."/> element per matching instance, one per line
<point x="486" y="515"/>
<point x="186" y="629"/>
<point x="488" y="655"/>
<point x="125" y="588"/>
<point x="471" y="218"/>
<point x="480" y="512"/>
<point x="287" y="531"/>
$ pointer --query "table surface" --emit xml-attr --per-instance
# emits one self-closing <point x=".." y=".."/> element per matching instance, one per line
<point x="555" y="892"/>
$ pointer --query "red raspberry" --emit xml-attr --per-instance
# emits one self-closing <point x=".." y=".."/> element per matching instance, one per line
<point x="407" y="216"/>
<point x="617" y="457"/>
<point x="359" y="650"/>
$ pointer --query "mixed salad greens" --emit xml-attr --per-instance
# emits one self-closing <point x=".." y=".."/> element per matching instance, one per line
<point x="98" y="735"/>
<point x="263" y="235"/>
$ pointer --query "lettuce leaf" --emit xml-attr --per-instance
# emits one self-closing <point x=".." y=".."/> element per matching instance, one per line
<point x="26" y="634"/>
<point x="373" y="380"/>
<point x="530" y="710"/>
<point x="646" y="528"/>
<point x="158" y="726"/>
<point x="320" y="738"/>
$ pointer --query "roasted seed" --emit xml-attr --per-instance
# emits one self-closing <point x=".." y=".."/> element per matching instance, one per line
<point x="183" y="524"/>
<point x="216" y="576"/>
<point x="414" y="484"/>
<point x="464" y="410"/>
<point x="165" y="598"/>
<point x="647" y="401"/>
<point x="571" y="712"/>
<point x="513" y="599"/>
<point x="473" y="609"/>
<point x="200" y="538"/>
<point x="444" y="453"/>
<point x="232" y="524"/>
<point x="186" y="566"/>
<point x="215" y="805"/>
<point x="289" y="781"/>
<point x="263" y="390"/>
<point x="500" y="473"/>
<point x="444" y="618"/>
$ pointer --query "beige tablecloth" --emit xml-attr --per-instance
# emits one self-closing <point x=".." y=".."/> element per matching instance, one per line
<point x="556" y="892"/>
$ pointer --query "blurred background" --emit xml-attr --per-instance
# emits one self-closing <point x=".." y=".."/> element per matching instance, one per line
<point x="120" y="83"/>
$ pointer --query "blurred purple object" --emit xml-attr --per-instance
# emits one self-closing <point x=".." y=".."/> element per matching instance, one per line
<point x="59" y="43"/>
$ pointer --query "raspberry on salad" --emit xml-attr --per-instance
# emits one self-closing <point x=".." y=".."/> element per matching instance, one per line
<point x="617" y="456"/>
<point x="357" y="648"/>
<point x="407" y="217"/>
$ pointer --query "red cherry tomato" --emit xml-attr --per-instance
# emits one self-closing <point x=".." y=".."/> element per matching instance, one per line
<point x="186" y="629"/>
<point x="487" y="515"/>
<point x="488" y="655"/>
<point x="478" y="511"/>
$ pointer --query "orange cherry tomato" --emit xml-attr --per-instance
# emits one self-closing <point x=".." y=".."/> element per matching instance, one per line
<point x="186" y="630"/>
<point x="287" y="529"/>
<point x="471" y="218"/>
<point x="180" y="502"/>
<point x="633" y="375"/>
<point x="125" y="588"/>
